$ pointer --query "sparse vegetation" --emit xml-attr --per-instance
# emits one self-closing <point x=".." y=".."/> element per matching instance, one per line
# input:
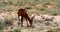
<point x="1" y="30"/>
<point x="34" y="6"/>
<point x="44" y="8"/>
<point x="17" y="30"/>
<point x="54" y="30"/>
<point x="8" y="21"/>
<point x="1" y="23"/>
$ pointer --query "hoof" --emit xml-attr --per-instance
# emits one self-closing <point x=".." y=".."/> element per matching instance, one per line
<point x="22" y="26"/>
<point x="18" y="24"/>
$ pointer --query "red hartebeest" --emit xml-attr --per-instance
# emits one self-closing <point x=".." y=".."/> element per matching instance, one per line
<point x="23" y="14"/>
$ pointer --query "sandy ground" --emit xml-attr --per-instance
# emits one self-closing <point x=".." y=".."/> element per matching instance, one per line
<point x="37" y="27"/>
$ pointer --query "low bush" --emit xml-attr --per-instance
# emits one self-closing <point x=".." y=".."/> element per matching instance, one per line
<point x="17" y="30"/>
<point x="8" y="21"/>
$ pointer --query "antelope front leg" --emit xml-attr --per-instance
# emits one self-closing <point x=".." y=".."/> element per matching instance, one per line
<point x="27" y="23"/>
<point x="30" y="23"/>
<point x="21" y="21"/>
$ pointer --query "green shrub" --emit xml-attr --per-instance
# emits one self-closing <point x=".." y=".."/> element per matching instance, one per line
<point x="8" y="21"/>
<point x="28" y="7"/>
<point x="1" y="23"/>
<point x="1" y="30"/>
<point x="17" y="30"/>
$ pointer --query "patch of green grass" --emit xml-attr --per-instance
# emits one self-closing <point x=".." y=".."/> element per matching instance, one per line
<point x="1" y="30"/>
<point x="17" y="30"/>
